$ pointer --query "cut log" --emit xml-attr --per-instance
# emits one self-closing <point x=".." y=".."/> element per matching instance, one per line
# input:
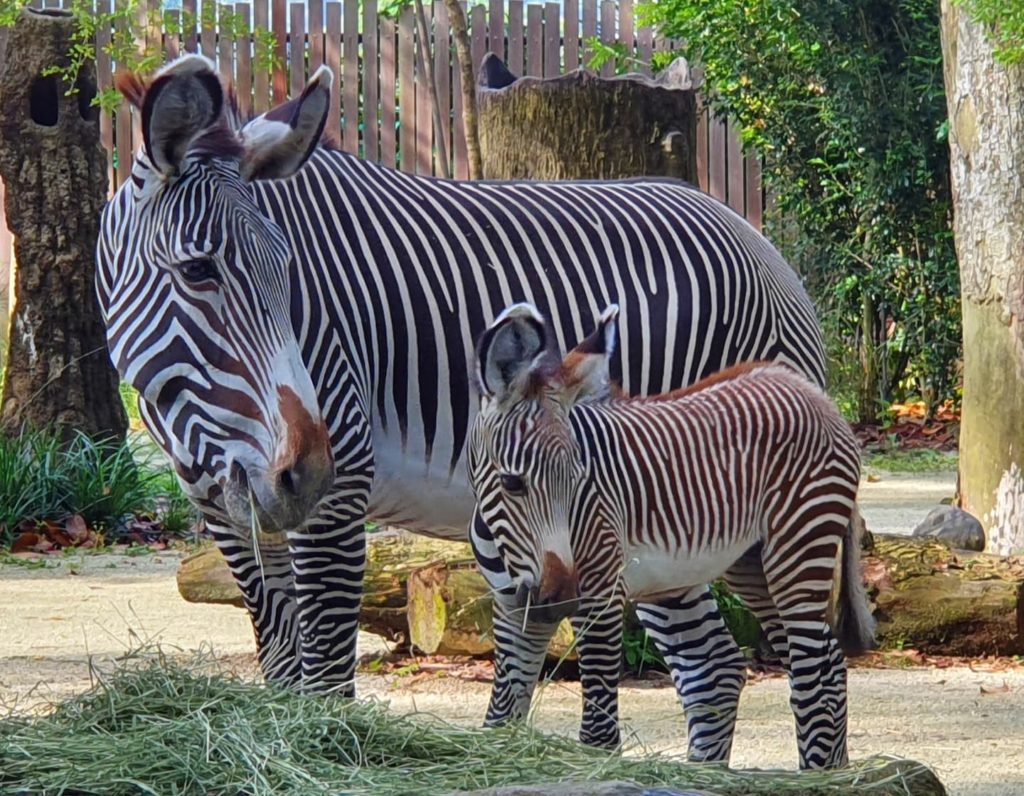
<point x="943" y="601"/>
<point x="428" y="593"/>
<point x="581" y="126"/>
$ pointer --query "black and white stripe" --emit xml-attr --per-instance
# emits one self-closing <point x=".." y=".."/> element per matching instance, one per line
<point x="587" y="501"/>
<point x="390" y="278"/>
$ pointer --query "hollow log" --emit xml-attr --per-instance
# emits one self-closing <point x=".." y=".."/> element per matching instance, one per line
<point x="429" y="593"/>
<point x="54" y="170"/>
<point x="582" y="126"/>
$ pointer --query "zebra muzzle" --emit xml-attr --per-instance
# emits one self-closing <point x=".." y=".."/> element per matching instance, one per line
<point x="555" y="597"/>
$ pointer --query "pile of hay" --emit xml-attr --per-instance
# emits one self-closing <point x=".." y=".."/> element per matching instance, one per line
<point x="160" y="727"/>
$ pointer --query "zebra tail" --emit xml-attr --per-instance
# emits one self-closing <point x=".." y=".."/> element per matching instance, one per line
<point x="853" y="624"/>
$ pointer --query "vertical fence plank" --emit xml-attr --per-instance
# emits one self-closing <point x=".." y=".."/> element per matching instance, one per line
<point x="350" y="80"/>
<point x="424" y="102"/>
<point x="626" y="34"/>
<point x="442" y="74"/>
<point x="189" y="24"/>
<point x="208" y="29"/>
<point x="333" y="56"/>
<point x="644" y="48"/>
<point x="370" y="69"/>
<point x="534" y="40"/>
<point x="754" y="210"/>
<point x="478" y="36"/>
<point x="571" y="28"/>
<point x="406" y="92"/>
<point x="608" y="33"/>
<point x="243" y="54"/>
<point x="717" y="185"/>
<point x="736" y="182"/>
<point x="316" y="34"/>
<point x="702" y="144"/>
<point x="515" y="37"/>
<point x="172" y="48"/>
<point x="460" y="161"/>
<point x="279" y="22"/>
<point x="225" y="41"/>
<point x="123" y="120"/>
<point x="261" y="78"/>
<point x="387" y="91"/>
<point x="552" y="40"/>
<point x="297" y="49"/>
<point x="496" y="28"/>
<point x="589" y="28"/>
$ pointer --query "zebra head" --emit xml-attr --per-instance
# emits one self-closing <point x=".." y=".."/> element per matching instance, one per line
<point x="525" y="466"/>
<point x="193" y="282"/>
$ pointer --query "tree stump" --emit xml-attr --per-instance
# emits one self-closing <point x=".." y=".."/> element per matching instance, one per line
<point x="581" y="126"/>
<point x="54" y="170"/>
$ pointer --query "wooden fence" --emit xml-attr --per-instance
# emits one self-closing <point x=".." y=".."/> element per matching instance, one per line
<point x="381" y="105"/>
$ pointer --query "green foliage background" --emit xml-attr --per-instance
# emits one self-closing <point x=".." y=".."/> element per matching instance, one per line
<point x="845" y="102"/>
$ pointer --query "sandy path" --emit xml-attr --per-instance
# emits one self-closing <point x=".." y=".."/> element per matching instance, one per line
<point x="52" y="619"/>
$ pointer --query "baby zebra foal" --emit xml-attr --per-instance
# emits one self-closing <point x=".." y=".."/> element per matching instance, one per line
<point x="593" y="499"/>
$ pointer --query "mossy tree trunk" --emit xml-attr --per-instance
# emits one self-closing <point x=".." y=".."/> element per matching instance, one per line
<point x="54" y="170"/>
<point x="581" y="126"/>
<point x="986" y="139"/>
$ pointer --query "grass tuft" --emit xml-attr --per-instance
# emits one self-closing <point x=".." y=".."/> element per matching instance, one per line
<point x="154" y="725"/>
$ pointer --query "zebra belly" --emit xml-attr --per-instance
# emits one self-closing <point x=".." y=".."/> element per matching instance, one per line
<point x="651" y="573"/>
<point x="419" y="496"/>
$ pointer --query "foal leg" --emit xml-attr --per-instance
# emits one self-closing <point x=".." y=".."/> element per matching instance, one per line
<point x="707" y="667"/>
<point x="598" y="630"/>
<point x="519" y="651"/>
<point x="798" y="569"/>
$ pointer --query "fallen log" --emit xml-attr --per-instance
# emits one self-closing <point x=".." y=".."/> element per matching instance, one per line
<point x="428" y="593"/>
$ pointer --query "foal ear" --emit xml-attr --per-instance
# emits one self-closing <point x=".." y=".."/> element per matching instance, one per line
<point x="506" y="352"/>
<point x="184" y="100"/>
<point x="585" y="373"/>
<point x="281" y="140"/>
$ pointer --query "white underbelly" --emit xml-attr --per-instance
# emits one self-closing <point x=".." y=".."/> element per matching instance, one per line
<point x="423" y="497"/>
<point x="649" y="572"/>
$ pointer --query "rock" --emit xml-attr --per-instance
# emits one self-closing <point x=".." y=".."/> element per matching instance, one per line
<point x="954" y="526"/>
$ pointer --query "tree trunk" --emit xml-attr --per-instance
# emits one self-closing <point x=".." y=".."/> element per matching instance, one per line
<point x="470" y="117"/>
<point x="986" y="140"/>
<point x="54" y="170"/>
<point x="581" y="126"/>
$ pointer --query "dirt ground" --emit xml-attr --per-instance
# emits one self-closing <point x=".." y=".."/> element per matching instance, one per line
<point x="967" y="724"/>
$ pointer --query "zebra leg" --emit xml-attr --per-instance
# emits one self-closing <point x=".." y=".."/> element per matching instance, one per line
<point x="817" y="671"/>
<point x="519" y="652"/>
<point x="707" y="667"/>
<point x="598" y="631"/>
<point x="745" y="578"/>
<point x="264" y="576"/>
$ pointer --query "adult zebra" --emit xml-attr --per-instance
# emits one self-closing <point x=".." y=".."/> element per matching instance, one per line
<point x="256" y="284"/>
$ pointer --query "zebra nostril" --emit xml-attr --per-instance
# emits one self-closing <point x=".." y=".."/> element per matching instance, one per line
<point x="239" y="476"/>
<point x="288" y="482"/>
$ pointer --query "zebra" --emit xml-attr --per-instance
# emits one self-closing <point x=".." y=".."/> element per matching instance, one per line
<point x="262" y="289"/>
<point x="593" y="499"/>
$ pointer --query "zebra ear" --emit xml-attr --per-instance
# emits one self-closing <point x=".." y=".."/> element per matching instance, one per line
<point x="507" y="351"/>
<point x="585" y="369"/>
<point x="281" y="140"/>
<point x="183" y="101"/>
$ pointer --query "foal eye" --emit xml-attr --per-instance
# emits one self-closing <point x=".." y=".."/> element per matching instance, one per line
<point x="198" y="270"/>
<point x="513" y="484"/>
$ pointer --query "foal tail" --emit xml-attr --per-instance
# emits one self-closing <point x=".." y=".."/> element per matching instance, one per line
<point x="852" y="622"/>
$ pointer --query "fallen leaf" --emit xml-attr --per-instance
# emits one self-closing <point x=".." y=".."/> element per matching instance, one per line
<point x="77" y="528"/>
<point x="1003" y="689"/>
<point x="25" y="541"/>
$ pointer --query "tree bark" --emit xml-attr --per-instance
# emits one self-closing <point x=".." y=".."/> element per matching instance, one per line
<point x="986" y="139"/>
<point x="54" y="170"/>
<point x="581" y="126"/>
<point x="470" y="118"/>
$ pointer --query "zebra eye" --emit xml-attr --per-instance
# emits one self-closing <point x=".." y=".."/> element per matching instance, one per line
<point x="513" y="484"/>
<point x="198" y="270"/>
